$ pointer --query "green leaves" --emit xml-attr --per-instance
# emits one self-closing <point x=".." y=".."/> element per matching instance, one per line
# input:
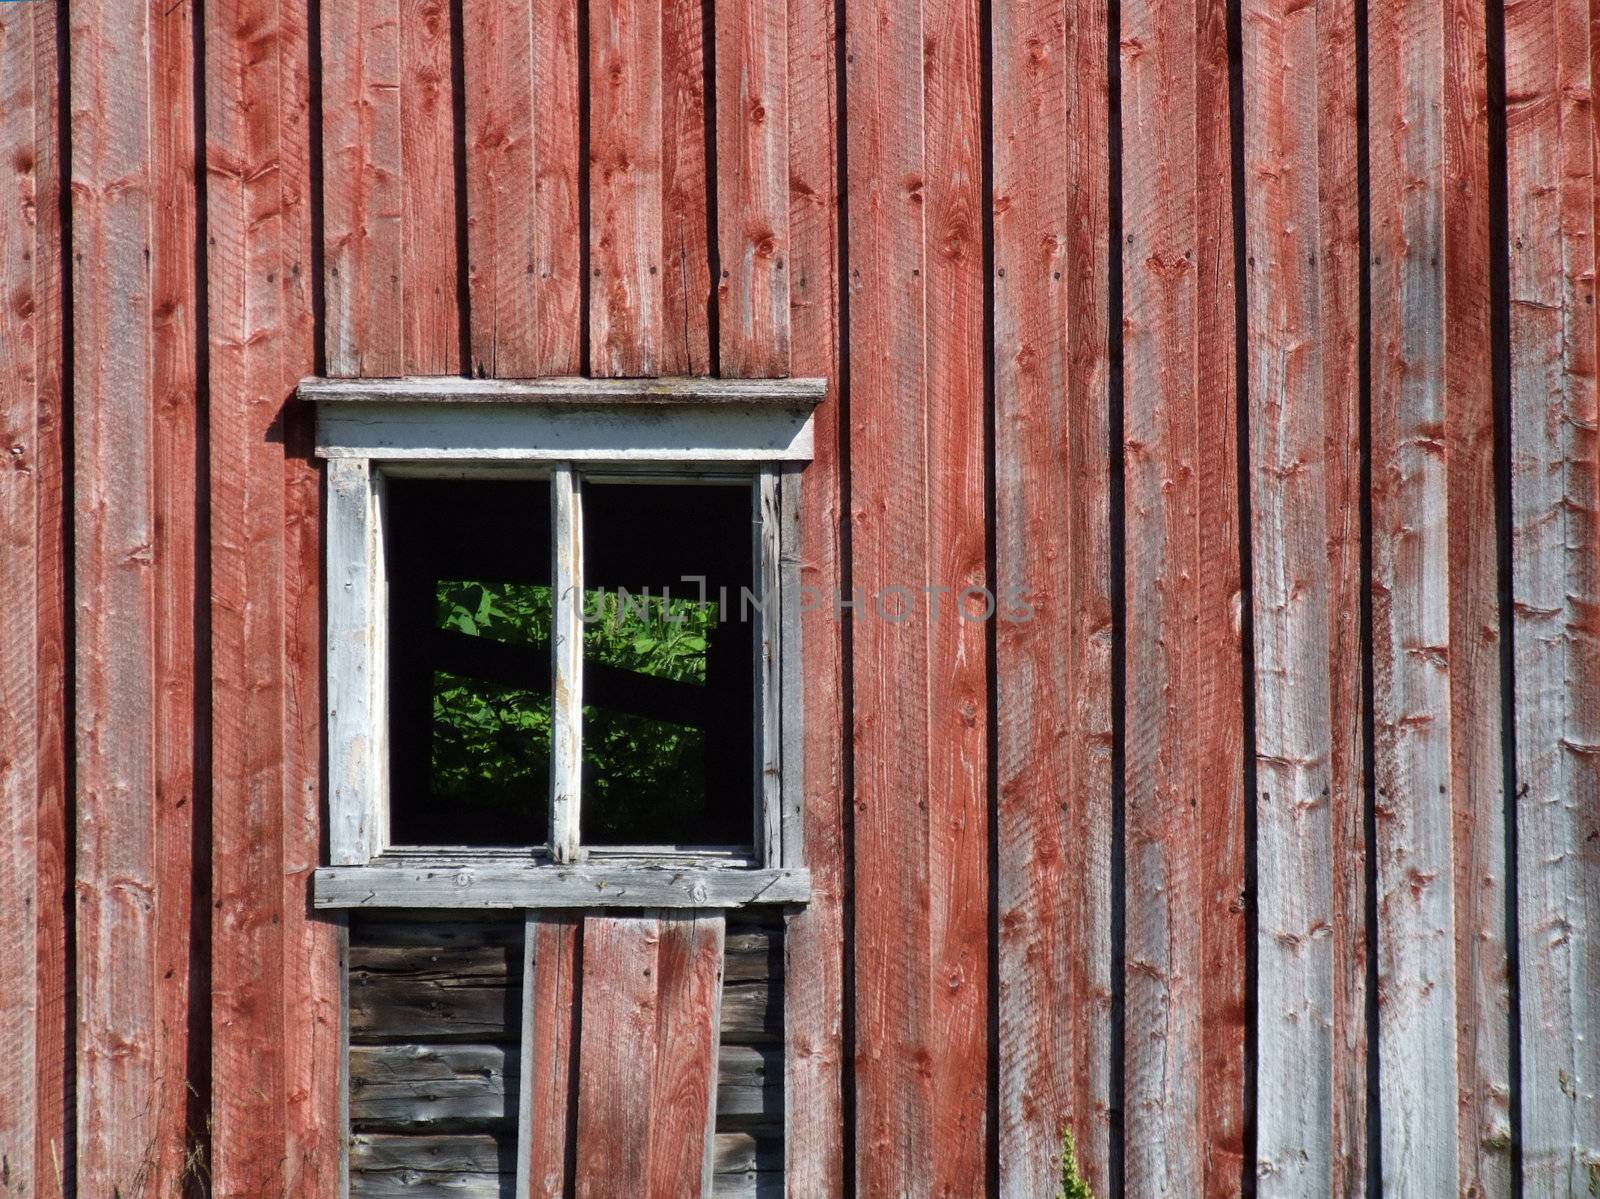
<point x="648" y="634"/>
<point x="643" y="775"/>
<point x="643" y="778"/>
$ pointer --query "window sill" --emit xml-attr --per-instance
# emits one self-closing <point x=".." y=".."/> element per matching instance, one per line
<point x="543" y="885"/>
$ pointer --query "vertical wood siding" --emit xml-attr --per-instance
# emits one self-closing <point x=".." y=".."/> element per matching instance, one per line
<point x="134" y="428"/>
<point x="524" y="244"/>
<point x="35" y="822"/>
<point x="545" y="1117"/>
<point x="275" y="993"/>
<point x="913" y="75"/>
<point x="1136" y="317"/>
<point x="652" y="989"/>
<point x="1555" y="590"/>
<point x="1052" y="540"/>
<point x="815" y="1010"/>
<point x="1439" y="852"/>
<point x="648" y="207"/>
<point x="1303" y="255"/>
<point x="1184" y="1065"/>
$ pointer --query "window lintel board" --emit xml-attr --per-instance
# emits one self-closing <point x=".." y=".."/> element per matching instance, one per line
<point x="574" y="420"/>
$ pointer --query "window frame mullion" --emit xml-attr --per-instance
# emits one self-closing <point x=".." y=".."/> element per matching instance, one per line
<point x="566" y="663"/>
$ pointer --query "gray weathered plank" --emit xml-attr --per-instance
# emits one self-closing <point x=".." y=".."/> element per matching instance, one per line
<point x="566" y="664"/>
<point x="541" y="432"/>
<point x="1555" y="590"/>
<point x="432" y="1085"/>
<point x="429" y="1086"/>
<point x="478" y="1164"/>
<point x="578" y="391"/>
<point x="768" y="648"/>
<point x="357" y="745"/>
<point x="1303" y="257"/>
<point x="536" y="886"/>
<point x="453" y="1153"/>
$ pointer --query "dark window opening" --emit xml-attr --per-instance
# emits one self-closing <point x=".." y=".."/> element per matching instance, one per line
<point x="469" y="660"/>
<point x="669" y="670"/>
<point x="668" y="727"/>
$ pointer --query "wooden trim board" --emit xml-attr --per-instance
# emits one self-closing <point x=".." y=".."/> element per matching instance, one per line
<point x="536" y="885"/>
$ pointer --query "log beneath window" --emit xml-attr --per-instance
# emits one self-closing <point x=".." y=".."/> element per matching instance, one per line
<point x="444" y="1086"/>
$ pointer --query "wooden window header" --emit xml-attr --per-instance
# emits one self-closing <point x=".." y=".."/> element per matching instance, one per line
<point x="448" y="389"/>
<point x="620" y="420"/>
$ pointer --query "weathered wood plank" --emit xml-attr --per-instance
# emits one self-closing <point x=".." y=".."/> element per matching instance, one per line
<point x="683" y="1103"/>
<point x="626" y="318"/>
<point x="429" y="310"/>
<point x="358" y="759"/>
<point x="537" y="433"/>
<point x="1053" y="674"/>
<point x="916" y="377"/>
<point x="1185" y="992"/>
<point x="34" y="965"/>
<point x="1430" y="405"/>
<point x="392" y="278"/>
<point x="687" y="192"/>
<point x="649" y="302"/>
<point x="752" y="953"/>
<point x="549" y="1048"/>
<point x="545" y="886"/>
<point x="814" y="997"/>
<point x="454" y="1153"/>
<point x="277" y="995"/>
<point x="1476" y="804"/>
<point x="1555" y="590"/>
<point x="767" y="718"/>
<point x="752" y="101"/>
<point x="428" y="1086"/>
<point x="460" y="986"/>
<point x="888" y="404"/>
<point x="749" y="1087"/>
<point x="752" y="1185"/>
<point x="639" y="1084"/>
<point x="467" y="992"/>
<point x="1339" y="260"/>
<point x="364" y="255"/>
<point x="956" y="876"/>
<point x="569" y="390"/>
<point x="1213" y="724"/>
<point x="411" y="1184"/>
<point x="522" y="152"/>
<point x="1301" y="222"/>
<point x="316" y="947"/>
<point x="134" y="423"/>
<point x="745" y="1153"/>
<point x="472" y="1164"/>
<point x="566" y="664"/>
<point x="455" y="1086"/>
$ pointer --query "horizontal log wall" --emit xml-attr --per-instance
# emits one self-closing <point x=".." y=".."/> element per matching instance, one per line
<point x="435" y="1031"/>
<point x="1249" y="346"/>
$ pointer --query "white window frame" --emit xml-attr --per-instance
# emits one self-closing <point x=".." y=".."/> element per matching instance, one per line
<point x="564" y="430"/>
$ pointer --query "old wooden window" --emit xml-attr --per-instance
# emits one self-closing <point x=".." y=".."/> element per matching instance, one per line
<point x="561" y="630"/>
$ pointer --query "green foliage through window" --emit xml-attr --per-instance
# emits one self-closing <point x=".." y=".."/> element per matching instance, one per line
<point x="644" y="774"/>
<point x="491" y="743"/>
<point x="644" y="778"/>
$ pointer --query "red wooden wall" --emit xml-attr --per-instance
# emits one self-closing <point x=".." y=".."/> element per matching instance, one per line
<point x="1252" y="341"/>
